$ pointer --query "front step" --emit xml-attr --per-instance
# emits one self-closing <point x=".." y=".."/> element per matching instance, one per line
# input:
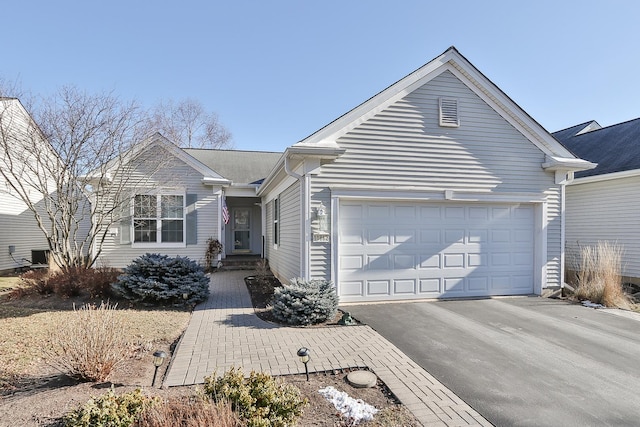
<point x="240" y="262"/>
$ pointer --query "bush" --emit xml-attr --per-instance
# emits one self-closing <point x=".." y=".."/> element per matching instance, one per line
<point x="89" y="344"/>
<point x="70" y="283"/>
<point x="304" y="302"/>
<point x="599" y="275"/>
<point x="110" y="410"/>
<point x="260" y="400"/>
<point x="155" y="278"/>
<point x="189" y="412"/>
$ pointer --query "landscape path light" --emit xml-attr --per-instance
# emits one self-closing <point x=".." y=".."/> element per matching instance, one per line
<point x="158" y="360"/>
<point x="303" y="354"/>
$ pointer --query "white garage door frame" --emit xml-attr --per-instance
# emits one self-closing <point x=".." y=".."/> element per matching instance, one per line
<point x="537" y="200"/>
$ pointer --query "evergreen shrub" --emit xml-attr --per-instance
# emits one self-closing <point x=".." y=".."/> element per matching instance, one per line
<point x="110" y="410"/>
<point x="304" y="302"/>
<point x="156" y="278"/>
<point x="260" y="399"/>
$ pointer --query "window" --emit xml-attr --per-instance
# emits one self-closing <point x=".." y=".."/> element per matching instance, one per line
<point x="276" y="221"/>
<point x="158" y="218"/>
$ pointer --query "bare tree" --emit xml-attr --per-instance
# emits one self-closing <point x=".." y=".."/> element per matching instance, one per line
<point x="187" y="124"/>
<point x="75" y="168"/>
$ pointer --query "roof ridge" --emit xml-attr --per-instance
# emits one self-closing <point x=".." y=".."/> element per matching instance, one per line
<point x="574" y="126"/>
<point x="233" y="150"/>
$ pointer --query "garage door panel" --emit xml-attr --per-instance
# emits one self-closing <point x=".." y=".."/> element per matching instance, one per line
<point x="404" y="287"/>
<point x="404" y="262"/>
<point x="453" y="260"/>
<point x="436" y="249"/>
<point x="430" y="286"/>
<point x="430" y="262"/>
<point x="378" y="262"/>
<point x="378" y="287"/>
<point x="378" y="236"/>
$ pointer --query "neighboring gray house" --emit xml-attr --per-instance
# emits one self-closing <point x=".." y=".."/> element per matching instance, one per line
<point x="22" y="243"/>
<point x="602" y="204"/>
<point x="438" y="186"/>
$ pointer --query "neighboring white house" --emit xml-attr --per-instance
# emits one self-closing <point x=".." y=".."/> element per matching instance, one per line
<point x="603" y="204"/>
<point x="438" y="186"/>
<point x="22" y="243"/>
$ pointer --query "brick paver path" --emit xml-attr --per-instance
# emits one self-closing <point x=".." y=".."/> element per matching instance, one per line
<point x="224" y="331"/>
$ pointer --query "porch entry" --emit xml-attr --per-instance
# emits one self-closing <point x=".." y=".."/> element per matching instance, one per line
<point x="243" y="233"/>
<point x="241" y="230"/>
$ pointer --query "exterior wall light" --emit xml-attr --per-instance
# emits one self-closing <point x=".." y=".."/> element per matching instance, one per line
<point x="321" y="215"/>
<point x="158" y="360"/>
<point x="303" y="354"/>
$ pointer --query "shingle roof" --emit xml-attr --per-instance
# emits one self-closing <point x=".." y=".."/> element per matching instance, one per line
<point x="615" y="148"/>
<point x="241" y="167"/>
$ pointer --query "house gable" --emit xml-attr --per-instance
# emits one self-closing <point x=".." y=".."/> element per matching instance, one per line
<point x="453" y="62"/>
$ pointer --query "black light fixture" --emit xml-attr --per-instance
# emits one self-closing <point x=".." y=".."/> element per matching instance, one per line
<point x="303" y="354"/>
<point x="158" y="360"/>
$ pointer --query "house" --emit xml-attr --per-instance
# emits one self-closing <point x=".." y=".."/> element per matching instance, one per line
<point x="22" y="242"/>
<point x="180" y="202"/>
<point x="602" y="204"/>
<point x="439" y="186"/>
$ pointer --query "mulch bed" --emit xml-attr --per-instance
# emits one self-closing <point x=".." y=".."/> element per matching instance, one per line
<point x="261" y="289"/>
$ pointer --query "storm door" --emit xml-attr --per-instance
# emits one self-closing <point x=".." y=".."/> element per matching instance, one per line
<point x="241" y="230"/>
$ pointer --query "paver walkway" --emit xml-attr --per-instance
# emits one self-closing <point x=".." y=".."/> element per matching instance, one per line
<point x="224" y="331"/>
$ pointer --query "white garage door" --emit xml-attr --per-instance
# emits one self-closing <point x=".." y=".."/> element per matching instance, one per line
<point x="395" y="250"/>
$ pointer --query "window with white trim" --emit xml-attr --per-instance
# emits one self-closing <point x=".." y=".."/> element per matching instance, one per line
<point x="159" y="219"/>
<point x="276" y="221"/>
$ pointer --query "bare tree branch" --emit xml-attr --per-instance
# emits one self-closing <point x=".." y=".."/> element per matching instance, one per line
<point x="187" y="124"/>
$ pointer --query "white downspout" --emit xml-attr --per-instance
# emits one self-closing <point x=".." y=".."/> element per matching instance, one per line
<point x="304" y="215"/>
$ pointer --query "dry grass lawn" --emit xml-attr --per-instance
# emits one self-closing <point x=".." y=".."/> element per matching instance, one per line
<point x="24" y="332"/>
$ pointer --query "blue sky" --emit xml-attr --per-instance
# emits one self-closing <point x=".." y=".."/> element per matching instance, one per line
<point x="277" y="71"/>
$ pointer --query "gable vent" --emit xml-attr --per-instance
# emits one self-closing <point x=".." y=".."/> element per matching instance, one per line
<point x="449" y="112"/>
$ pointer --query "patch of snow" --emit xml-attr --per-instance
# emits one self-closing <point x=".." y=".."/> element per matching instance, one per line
<point x="354" y="409"/>
<point x="590" y="304"/>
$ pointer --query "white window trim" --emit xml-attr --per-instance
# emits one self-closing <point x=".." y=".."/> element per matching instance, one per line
<point x="158" y="244"/>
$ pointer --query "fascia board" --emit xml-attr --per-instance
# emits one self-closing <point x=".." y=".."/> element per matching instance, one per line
<point x="606" y="177"/>
<point x="379" y="102"/>
<point x="507" y="108"/>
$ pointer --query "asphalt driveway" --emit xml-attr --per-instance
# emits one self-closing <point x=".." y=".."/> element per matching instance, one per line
<point x="522" y="361"/>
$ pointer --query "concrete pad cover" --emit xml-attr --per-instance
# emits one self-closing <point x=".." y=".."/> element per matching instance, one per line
<point x="522" y="361"/>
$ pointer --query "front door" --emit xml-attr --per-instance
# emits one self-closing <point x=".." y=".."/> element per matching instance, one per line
<point x="241" y="230"/>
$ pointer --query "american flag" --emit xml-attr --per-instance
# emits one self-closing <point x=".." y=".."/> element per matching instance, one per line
<point x="225" y="211"/>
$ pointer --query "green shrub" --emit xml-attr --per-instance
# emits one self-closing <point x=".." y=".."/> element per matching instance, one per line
<point x="260" y="400"/>
<point x="304" y="302"/>
<point x="88" y="344"/>
<point x="155" y="278"/>
<point x="110" y="410"/>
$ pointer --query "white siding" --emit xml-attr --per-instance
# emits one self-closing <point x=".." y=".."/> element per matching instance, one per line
<point x="606" y="211"/>
<point x="17" y="222"/>
<point x="403" y="146"/>
<point x="176" y="175"/>
<point x="284" y="259"/>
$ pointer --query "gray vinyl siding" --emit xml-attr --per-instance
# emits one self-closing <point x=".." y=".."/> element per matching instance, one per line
<point x="176" y="174"/>
<point x="284" y="259"/>
<point x="22" y="232"/>
<point x="403" y="146"/>
<point x="605" y="211"/>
